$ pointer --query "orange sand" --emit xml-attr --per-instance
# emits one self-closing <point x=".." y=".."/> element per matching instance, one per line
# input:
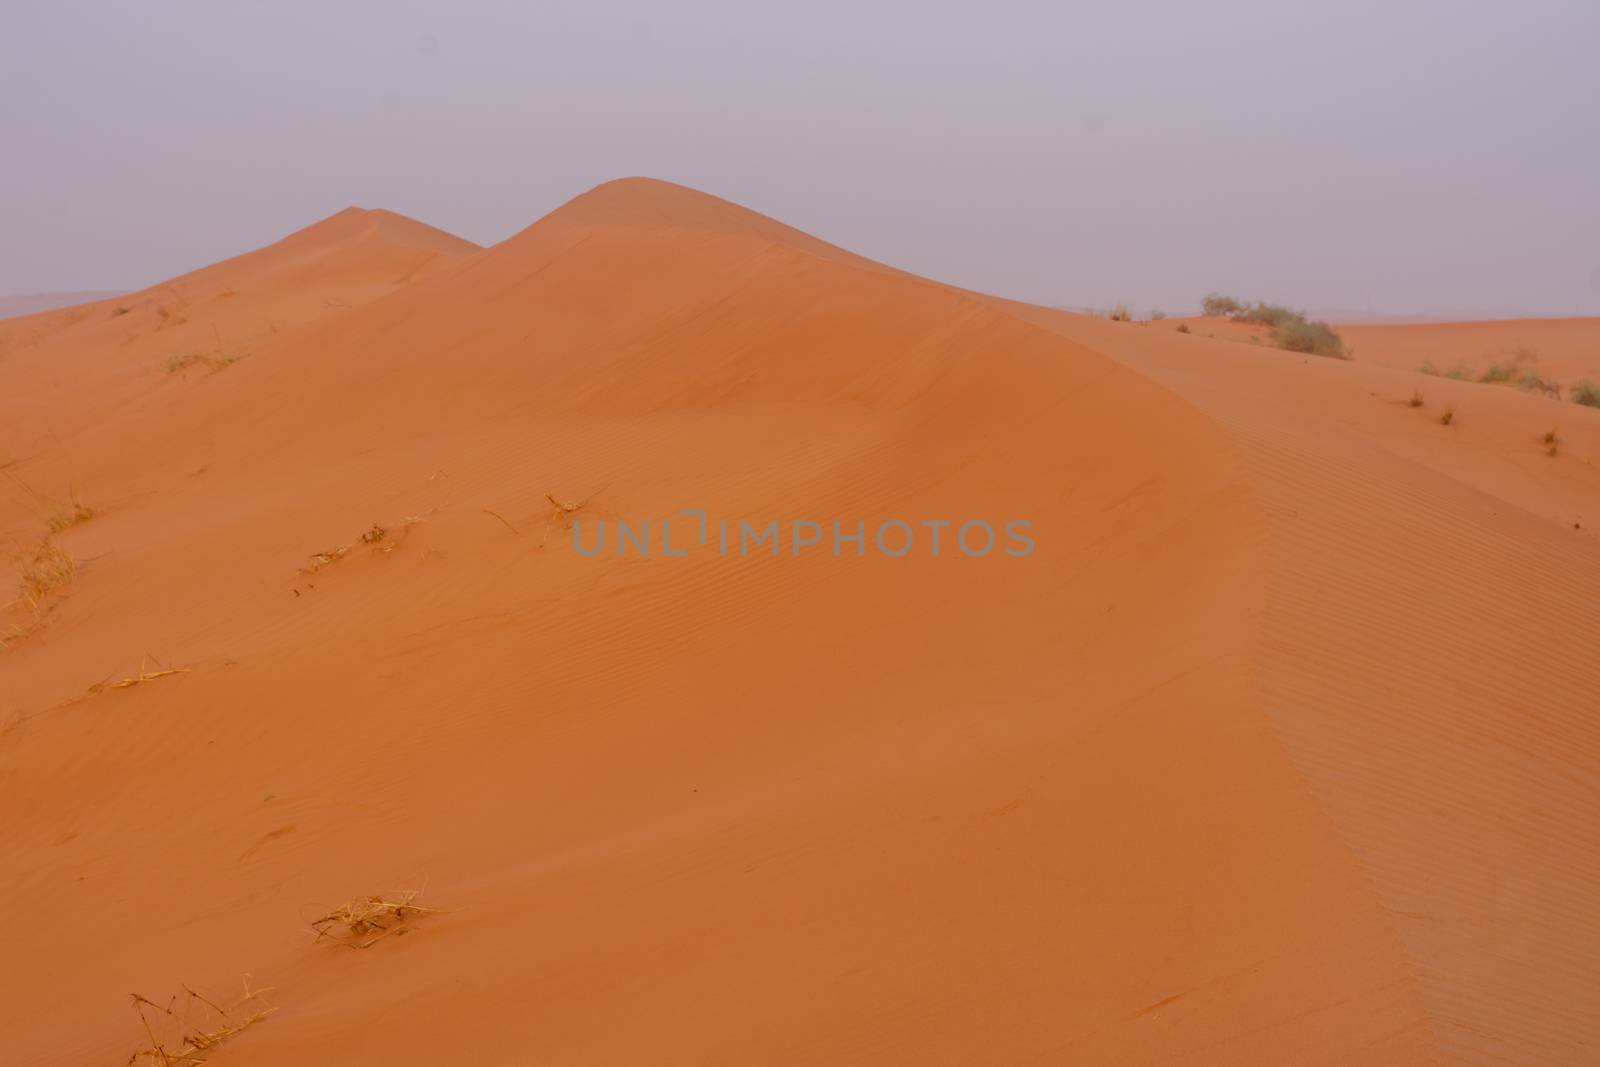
<point x="1281" y="748"/>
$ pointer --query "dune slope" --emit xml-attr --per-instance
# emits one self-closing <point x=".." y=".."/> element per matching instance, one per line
<point x="1429" y="655"/>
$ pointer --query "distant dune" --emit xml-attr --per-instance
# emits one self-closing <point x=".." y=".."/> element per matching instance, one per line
<point x="1563" y="350"/>
<point x="1250" y="761"/>
<point x="28" y="303"/>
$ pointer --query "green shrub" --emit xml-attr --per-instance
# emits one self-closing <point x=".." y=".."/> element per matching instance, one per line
<point x="1497" y="373"/>
<point x="1215" y="304"/>
<point x="1530" y="382"/>
<point x="1272" y="315"/>
<point x="1315" y="338"/>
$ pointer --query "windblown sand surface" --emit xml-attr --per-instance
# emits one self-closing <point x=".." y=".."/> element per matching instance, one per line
<point x="1281" y="748"/>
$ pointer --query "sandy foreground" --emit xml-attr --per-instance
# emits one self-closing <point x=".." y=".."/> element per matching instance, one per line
<point x="1282" y="747"/>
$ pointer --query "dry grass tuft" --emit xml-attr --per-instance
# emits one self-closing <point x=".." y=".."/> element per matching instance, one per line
<point x="194" y="1027"/>
<point x="1183" y="327"/>
<point x="1448" y="417"/>
<point x="148" y="676"/>
<point x="384" y="539"/>
<point x="365" y="921"/>
<point x="45" y="572"/>
<point x="144" y="675"/>
<point x="211" y="361"/>
<point x="1120" y="313"/>
<point x="68" y="517"/>
<point x="14" y="633"/>
<point x="1416" y="400"/>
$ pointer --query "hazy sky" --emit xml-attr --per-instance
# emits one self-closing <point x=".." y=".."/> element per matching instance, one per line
<point x="1393" y="156"/>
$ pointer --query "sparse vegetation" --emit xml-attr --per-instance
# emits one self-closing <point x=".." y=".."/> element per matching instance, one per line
<point x="1460" y="372"/>
<point x="382" y="539"/>
<point x="1551" y="441"/>
<point x="1530" y="382"/>
<point x="44" y="571"/>
<point x="1448" y="417"/>
<point x="1314" y="338"/>
<point x="1291" y="330"/>
<point x="183" y="1034"/>
<point x="1120" y="313"/>
<point x="1157" y="316"/>
<point x="1497" y="373"/>
<point x="1183" y="327"/>
<point x="1586" y="393"/>
<point x="212" y="361"/>
<point x="365" y="921"/>
<point x="69" y="516"/>
<point x="1416" y="399"/>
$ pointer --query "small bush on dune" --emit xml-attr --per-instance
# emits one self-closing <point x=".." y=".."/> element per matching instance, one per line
<point x="1183" y="327"/>
<point x="1315" y="338"/>
<point x="1271" y="315"/>
<point x="1291" y="330"/>
<point x="1120" y="313"/>
<point x="1416" y="400"/>
<point x="1497" y="373"/>
<point x="1586" y="393"/>
<point x="1530" y="382"/>
<point x="1157" y="316"/>
<point x="1448" y="417"/>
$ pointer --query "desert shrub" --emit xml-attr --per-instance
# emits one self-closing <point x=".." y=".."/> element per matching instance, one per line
<point x="1120" y="313"/>
<point x="1448" y="416"/>
<point x="1183" y="327"/>
<point x="1428" y="368"/>
<point x="1215" y="304"/>
<point x="1497" y="373"/>
<point x="1316" y="338"/>
<point x="1157" y="316"/>
<point x="1416" y="398"/>
<point x="1530" y="382"/>
<point x="1273" y="315"/>
<point x="1586" y="393"/>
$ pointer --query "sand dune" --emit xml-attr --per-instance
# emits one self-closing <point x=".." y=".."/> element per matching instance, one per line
<point x="1559" y="351"/>
<point x="1251" y="761"/>
<point x="1562" y="350"/>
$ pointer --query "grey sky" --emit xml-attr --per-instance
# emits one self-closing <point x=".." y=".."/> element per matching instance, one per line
<point x="1397" y="156"/>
